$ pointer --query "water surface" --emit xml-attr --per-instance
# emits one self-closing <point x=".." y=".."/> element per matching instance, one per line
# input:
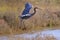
<point x="28" y="36"/>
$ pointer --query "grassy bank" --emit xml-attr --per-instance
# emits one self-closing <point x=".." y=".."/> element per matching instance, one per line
<point x="44" y="18"/>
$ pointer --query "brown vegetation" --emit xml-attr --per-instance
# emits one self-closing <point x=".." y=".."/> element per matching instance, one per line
<point x="46" y="17"/>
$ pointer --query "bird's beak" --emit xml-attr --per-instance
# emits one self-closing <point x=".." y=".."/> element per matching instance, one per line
<point x="38" y="8"/>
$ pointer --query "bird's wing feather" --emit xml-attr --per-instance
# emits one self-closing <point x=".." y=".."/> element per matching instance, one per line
<point x="28" y="6"/>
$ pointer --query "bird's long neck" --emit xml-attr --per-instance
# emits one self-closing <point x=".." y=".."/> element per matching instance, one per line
<point x="34" y="12"/>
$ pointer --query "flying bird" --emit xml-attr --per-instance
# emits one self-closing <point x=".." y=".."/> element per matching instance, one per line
<point x="25" y="13"/>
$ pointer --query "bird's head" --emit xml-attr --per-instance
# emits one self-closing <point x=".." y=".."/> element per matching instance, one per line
<point x="35" y="8"/>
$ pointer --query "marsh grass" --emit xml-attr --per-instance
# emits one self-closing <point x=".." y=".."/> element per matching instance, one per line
<point x="42" y="19"/>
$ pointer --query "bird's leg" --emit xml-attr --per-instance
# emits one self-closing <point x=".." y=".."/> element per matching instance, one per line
<point x="22" y="25"/>
<point x="24" y="28"/>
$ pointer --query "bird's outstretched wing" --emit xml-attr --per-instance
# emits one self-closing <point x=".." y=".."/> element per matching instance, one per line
<point x="28" y="6"/>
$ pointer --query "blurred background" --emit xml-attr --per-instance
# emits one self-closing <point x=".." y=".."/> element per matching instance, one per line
<point x="46" y="17"/>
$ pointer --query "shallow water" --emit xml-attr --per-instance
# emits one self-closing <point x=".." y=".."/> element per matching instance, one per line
<point x="27" y="36"/>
